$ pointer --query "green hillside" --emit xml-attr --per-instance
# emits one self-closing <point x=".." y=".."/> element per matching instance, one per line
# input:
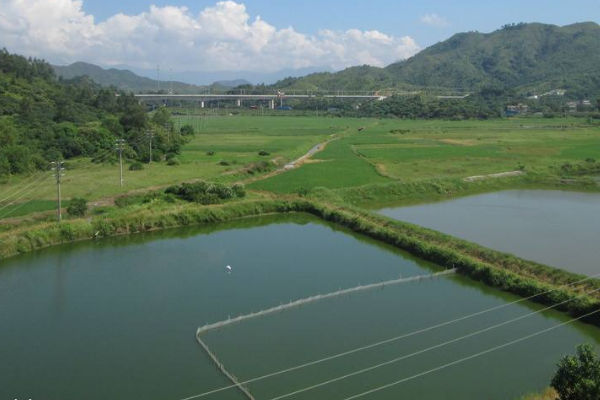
<point x="531" y="58"/>
<point x="121" y="79"/>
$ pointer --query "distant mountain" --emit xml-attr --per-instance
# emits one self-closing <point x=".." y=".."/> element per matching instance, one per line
<point x="122" y="79"/>
<point x="232" y="83"/>
<point x="525" y="57"/>
<point x="208" y="77"/>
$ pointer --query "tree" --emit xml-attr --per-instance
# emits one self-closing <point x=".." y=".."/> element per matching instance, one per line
<point x="162" y="117"/>
<point x="78" y="207"/>
<point x="578" y="377"/>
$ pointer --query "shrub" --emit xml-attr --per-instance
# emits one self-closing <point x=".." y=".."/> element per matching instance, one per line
<point x="78" y="207"/>
<point x="173" y="162"/>
<point x="238" y="190"/>
<point x="206" y="192"/>
<point x="590" y="160"/>
<point x="136" y="166"/>
<point x="264" y="153"/>
<point x="578" y="377"/>
<point x="303" y="192"/>
<point x="263" y="166"/>
<point x="170" y="156"/>
<point x="210" y="153"/>
<point x="187" y="130"/>
<point x="224" y="162"/>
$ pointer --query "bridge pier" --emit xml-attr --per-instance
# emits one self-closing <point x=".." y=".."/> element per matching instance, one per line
<point x="239" y="102"/>
<point x="202" y="104"/>
<point x="272" y="104"/>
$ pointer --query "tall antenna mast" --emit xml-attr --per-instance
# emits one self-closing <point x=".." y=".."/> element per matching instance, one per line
<point x="158" y="79"/>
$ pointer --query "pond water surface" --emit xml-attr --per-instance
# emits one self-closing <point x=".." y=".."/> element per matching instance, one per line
<point x="116" y="319"/>
<point x="556" y="228"/>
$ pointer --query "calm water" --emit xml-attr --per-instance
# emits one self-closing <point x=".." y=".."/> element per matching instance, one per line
<point x="556" y="228"/>
<point x="115" y="319"/>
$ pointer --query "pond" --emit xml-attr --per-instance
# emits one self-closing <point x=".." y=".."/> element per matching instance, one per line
<point x="116" y="319"/>
<point x="556" y="228"/>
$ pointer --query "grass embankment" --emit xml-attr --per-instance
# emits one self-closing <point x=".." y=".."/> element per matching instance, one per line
<point x="548" y="394"/>
<point x="398" y="193"/>
<point x="503" y="271"/>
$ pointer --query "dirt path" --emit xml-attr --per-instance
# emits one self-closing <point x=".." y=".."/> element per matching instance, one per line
<point x="492" y="176"/>
<point x="294" y="164"/>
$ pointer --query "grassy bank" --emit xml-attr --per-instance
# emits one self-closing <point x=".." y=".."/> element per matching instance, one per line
<point x="499" y="270"/>
<point x="548" y="394"/>
<point x="430" y="190"/>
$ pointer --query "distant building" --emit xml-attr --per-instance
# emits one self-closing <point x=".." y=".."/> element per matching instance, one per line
<point x="572" y="105"/>
<point x="578" y="105"/>
<point x="516" y="109"/>
<point x="556" y="92"/>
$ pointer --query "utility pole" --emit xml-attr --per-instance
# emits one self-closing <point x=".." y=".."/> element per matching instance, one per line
<point x="58" y="168"/>
<point x="168" y="129"/>
<point x="150" y="136"/>
<point x="120" y="143"/>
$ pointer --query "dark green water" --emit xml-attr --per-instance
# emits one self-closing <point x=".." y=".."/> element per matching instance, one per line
<point x="556" y="228"/>
<point x="115" y="319"/>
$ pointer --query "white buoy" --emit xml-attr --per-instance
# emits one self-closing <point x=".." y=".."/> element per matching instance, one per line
<point x="228" y="269"/>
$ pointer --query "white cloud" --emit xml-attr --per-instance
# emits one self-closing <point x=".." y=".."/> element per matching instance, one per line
<point x="435" y="20"/>
<point x="222" y="37"/>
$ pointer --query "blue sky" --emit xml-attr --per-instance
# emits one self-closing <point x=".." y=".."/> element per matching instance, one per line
<point x="228" y="36"/>
<point x="393" y="17"/>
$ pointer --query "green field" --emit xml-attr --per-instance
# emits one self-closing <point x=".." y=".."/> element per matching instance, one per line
<point x="410" y="151"/>
<point x="235" y="139"/>
<point x="363" y="152"/>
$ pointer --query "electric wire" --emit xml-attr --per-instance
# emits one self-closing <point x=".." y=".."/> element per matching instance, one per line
<point x="428" y="349"/>
<point x="403" y="336"/>
<point x="27" y="190"/>
<point x="23" y="204"/>
<point x="464" y="359"/>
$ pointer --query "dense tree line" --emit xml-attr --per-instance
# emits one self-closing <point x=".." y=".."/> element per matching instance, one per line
<point x="44" y="119"/>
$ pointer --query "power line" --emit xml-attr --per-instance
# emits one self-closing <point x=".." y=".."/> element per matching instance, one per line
<point x="403" y="336"/>
<point x="36" y="176"/>
<point x="21" y="205"/>
<point x="437" y="346"/>
<point x="459" y="361"/>
<point x="40" y="179"/>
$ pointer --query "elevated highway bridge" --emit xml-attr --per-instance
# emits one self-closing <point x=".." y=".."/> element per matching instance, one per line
<point x="274" y="97"/>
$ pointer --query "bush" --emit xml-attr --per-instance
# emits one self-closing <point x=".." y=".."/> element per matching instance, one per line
<point x="173" y="162"/>
<point x="578" y="377"/>
<point x="224" y="162"/>
<point x="206" y="192"/>
<point x="264" y="153"/>
<point x="136" y="166"/>
<point x="263" y="166"/>
<point x="210" y="153"/>
<point x="78" y="207"/>
<point x="143" y="198"/>
<point x="187" y="130"/>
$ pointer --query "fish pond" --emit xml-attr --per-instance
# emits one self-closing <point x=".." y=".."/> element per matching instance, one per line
<point x="556" y="228"/>
<point x="116" y="319"/>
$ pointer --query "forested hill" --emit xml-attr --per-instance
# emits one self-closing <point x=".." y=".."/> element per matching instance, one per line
<point x="43" y="119"/>
<point x="122" y="79"/>
<point x="526" y="57"/>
